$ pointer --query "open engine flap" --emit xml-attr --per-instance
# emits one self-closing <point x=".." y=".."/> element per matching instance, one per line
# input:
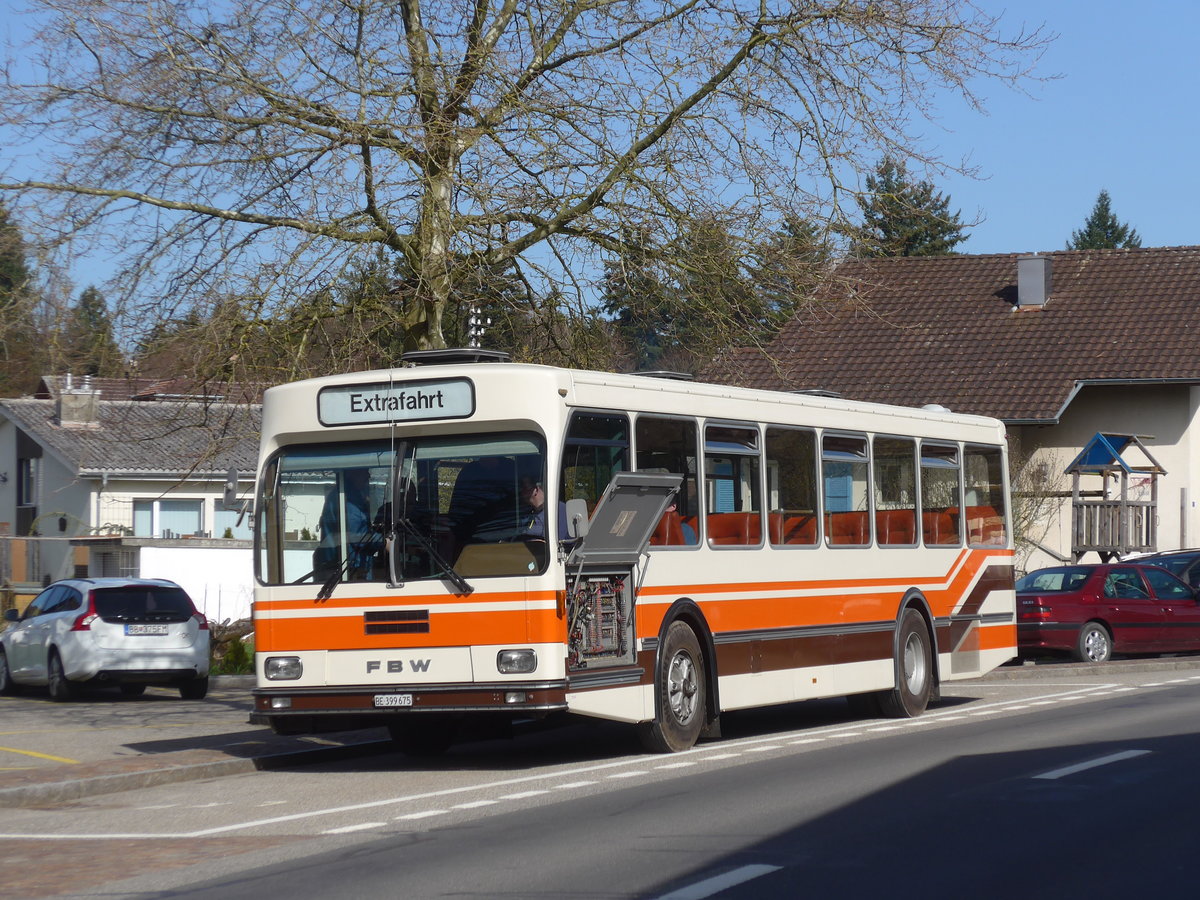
<point x="623" y="521"/>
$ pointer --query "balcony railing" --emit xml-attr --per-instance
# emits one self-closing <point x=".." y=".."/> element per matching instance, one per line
<point x="1114" y="526"/>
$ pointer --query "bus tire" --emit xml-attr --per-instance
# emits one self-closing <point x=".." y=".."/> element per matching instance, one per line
<point x="914" y="670"/>
<point x="679" y="693"/>
<point x="424" y="736"/>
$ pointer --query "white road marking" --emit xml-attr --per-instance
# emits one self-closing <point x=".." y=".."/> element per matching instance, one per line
<point x="427" y="814"/>
<point x="718" y="883"/>
<point x="1055" y="774"/>
<point x="365" y="826"/>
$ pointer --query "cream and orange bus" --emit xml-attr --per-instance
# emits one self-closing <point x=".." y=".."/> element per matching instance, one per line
<point x="465" y="541"/>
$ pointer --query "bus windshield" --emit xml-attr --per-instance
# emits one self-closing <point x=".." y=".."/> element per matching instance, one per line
<point x="330" y="511"/>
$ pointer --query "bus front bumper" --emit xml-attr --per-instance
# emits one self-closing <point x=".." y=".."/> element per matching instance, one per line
<point x="371" y="705"/>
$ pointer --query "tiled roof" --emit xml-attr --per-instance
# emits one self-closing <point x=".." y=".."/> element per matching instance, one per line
<point x="136" y="388"/>
<point x="912" y="331"/>
<point x="153" y="438"/>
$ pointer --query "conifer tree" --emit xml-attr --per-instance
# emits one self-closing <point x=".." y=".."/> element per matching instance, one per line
<point x="903" y="217"/>
<point x="20" y="349"/>
<point x="91" y="348"/>
<point x="1102" y="231"/>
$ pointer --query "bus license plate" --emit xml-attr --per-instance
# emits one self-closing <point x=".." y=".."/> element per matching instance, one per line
<point x="393" y="699"/>
<point x="146" y="629"/>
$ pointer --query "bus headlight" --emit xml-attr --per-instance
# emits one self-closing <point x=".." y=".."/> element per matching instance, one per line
<point x="283" y="668"/>
<point x="516" y="662"/>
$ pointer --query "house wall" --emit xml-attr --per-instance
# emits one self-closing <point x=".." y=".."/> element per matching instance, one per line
<point x="8" y="475"/>
<point x="1167" y="417"/>
<point x="63" y="510"/>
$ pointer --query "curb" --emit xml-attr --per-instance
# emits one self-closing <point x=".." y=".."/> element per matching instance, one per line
<point x="1050" y="668"/>
<point x="186" y="766"/>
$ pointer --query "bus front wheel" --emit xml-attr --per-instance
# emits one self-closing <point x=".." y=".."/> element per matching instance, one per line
<point x="679" y="695"/>
<point x="914" y="670"/>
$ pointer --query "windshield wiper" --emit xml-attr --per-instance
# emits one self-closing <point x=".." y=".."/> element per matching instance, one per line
<point x="362" y="549"/>
<point x="412" y="531"/>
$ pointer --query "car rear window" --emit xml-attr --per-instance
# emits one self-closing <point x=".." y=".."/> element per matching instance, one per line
<point x="1051" y="580"/>
<point x="153" y="602"/>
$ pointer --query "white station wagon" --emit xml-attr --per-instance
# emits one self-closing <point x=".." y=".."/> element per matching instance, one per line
<point x="127" y="632"/>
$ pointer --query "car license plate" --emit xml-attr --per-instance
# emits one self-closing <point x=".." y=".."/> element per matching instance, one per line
<point x="393" y="699"/>
<point x="146" y="629"/>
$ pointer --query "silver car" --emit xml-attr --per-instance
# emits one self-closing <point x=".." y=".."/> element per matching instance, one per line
<point x="128" y="632"/>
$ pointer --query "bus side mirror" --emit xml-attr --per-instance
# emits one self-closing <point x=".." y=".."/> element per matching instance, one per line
<point x="229" y="499"/>
<point x="577" y="518"/>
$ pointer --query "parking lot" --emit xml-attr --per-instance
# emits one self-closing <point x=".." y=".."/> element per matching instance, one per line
<point x="62" y="750"/>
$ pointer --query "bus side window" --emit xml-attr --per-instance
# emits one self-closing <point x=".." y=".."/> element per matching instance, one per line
<point x="732" y="490"/>
<point x="941" y="524"/>
<point x="791" y="486"/>
<point x="985" y="510"/>
<point x="845" y="483"/>
<point x="597" y="448"/>
<point x="669" y="446"/>
<point x="895" y="462"/>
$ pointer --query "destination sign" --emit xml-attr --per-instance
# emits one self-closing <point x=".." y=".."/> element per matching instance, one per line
<point x="408" y="401"/>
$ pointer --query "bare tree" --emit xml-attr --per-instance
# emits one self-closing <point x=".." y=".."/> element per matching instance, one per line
<point x="267" y="143"/>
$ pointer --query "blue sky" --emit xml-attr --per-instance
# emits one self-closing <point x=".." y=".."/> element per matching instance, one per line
<point x="1119" y="116"/>
<point x="1122" y="117"/>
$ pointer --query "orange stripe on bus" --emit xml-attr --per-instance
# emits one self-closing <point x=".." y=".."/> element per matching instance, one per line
<point x="405" y="600"/>
<point x="348" y="632"/>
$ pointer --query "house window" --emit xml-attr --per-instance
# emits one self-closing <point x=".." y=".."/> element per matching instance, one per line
<point x="228" y="519"/>
<point x="167" y="518"/>
<point x="27" y="478"/>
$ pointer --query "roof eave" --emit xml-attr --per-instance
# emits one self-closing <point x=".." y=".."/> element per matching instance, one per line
<point x="1080" y="384"/>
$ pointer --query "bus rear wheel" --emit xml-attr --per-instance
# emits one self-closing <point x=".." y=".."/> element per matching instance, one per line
<point x="914" y="670"/>
<point x="679" y="695"/>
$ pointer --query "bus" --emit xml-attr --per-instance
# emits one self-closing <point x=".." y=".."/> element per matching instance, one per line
<point x="463" y="543"/>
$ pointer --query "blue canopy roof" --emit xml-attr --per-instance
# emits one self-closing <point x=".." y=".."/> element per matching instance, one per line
<point x="1103" y="453"/>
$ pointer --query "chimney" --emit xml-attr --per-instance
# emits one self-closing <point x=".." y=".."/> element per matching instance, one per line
<point x="1033" y="281"/>
<point x="78" y="405"/>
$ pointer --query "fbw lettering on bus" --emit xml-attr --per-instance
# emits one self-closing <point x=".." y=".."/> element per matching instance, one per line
<point x="396" y="666"/>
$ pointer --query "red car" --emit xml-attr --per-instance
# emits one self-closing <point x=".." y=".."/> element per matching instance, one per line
<point x="1093" y="611"/>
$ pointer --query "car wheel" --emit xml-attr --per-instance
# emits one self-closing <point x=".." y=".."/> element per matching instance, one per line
<point x="133" y="690"/>
<point x="1094" y="644"/>
<point x="61" y="689"/>
<point x="6" y="683"/>
<point x="196" y="689"/>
